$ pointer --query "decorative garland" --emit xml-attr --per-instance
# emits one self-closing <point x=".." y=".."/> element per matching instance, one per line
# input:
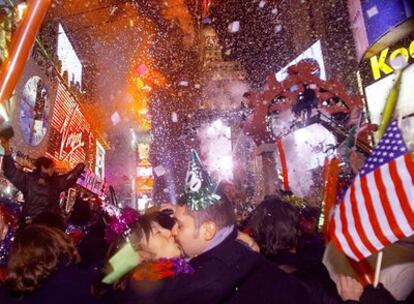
<point x="120" y="222"/>
<point x="161" y="269"/>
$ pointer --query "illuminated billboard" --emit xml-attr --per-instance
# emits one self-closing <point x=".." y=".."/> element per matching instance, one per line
<point x="377" y="24"/>
<point x="382" y="15"/>
<point x="312" y="54"/>
<point x="69" y="60"/>
<point x="100" y="161"/>
<point x="377" y="93"/>
<point x="71" y="140"/>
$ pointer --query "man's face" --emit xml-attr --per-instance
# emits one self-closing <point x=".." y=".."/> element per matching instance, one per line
<point x="192" y="241"/>
<point x="49" y="171"/>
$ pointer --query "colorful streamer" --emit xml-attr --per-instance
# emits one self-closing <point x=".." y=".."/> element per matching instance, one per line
<point x="282" y="156"/>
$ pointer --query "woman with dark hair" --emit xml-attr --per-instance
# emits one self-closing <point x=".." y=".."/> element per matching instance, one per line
<point x="275" y="227"/>
<point x="41" y="269"/>
<point x="153" y="255"/>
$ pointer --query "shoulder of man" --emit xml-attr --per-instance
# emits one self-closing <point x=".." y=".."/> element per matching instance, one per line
<point x="229" y="253"/>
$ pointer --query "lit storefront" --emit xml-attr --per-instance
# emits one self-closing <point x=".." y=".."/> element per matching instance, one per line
<point x="384" y="37"/>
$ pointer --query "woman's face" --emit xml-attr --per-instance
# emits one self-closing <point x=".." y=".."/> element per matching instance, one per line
<point x="161" y="243"/>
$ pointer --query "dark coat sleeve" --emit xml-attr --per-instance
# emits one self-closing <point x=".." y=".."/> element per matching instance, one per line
<point x="68" y="180"/>
<point x="200" y="287"/>
<point x="16" y="176"/>
<point x="378" y="295"/>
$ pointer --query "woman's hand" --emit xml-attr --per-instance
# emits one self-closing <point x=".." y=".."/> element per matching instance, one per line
<point x="348" y="288"/>
<point x="5" y="144"/>
<point x="248" y="240"/>
<point x="3" y="228"/>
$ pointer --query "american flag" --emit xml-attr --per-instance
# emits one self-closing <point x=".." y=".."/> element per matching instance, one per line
<point x="378" y="208"/>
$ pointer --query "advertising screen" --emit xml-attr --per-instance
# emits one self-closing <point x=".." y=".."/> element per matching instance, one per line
<point x="67" y="55"/>
<point x="382" y="15"/>
<point x="71" y="140"/>
<point x="377" y="93"/>
<point x="313" y="54"/>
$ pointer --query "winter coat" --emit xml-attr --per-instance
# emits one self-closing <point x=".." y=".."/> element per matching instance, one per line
<point x="41" y="193"/>
<point x="227" y="273"/>
<point x="313" y="276"/>
<point x="68" y="285"/>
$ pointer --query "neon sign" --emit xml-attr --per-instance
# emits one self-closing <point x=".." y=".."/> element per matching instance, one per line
<point x="89" y="180"/>
<point x="71" y="141"/>
<point x="379" y="63"/>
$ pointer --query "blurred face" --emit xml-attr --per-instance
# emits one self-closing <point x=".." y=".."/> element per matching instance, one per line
<point x="161" y="243"/>
<point x="192" y="240"/>
<point x="49" y="171"/>
<point x="307" y="226"/>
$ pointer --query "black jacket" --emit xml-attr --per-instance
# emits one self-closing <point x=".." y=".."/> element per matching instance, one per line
<point x="228" y="273"/>
<point x="313" y="276"/>
<point x="39" y="196"/>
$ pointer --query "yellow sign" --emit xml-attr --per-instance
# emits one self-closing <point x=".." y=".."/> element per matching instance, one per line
<point x="380" y="65"/>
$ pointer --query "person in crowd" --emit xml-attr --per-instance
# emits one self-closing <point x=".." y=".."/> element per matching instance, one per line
<point x="50" y="219"/>
<point x="225" y="270"/>
<point x="80" y="220"/>
<point x="7" y="230"/>
<point x="156" y="253"/>
<point x="41" y="188"/>
<point x="275" y="227"/>
<point x="42" y="269"/>
<point x="352" y="292"/>
<point x="311" y="244"/>
<point x="397" y="269"/>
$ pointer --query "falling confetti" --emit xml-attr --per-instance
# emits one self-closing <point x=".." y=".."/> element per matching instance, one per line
<point x="234" y="27"/>
<point x="115" y="118"/>
<point x="159" y="170"/>
<point x="142" y="69"/>
<point x="278" y="28"/>
<point x="174" y="117"/>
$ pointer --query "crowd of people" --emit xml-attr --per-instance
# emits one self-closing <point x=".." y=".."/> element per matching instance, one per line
<point x="193" y="251"/>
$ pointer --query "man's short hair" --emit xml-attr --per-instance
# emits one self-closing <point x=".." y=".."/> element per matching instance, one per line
<point x="44" y="162"/>
<point x="221" y="213"/>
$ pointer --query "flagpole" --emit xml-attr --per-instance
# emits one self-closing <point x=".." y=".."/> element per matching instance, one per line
<point x="378" y="269"/>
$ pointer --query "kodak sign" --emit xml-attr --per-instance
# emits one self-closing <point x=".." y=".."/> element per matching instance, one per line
<point x="380" y="64"/>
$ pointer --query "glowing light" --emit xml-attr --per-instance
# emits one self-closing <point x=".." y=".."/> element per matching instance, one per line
<point x="305" y="150"/>
<point x="7" y="190"/>
<point x="219" y="162"/>
<point x="218" y="124"/>
<point x="143" y="202"/>
<point x="21" y="10"/>
<point x="225" y="163"/>
<point x="3" y="113"/>
<point x="134" y="138"/>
